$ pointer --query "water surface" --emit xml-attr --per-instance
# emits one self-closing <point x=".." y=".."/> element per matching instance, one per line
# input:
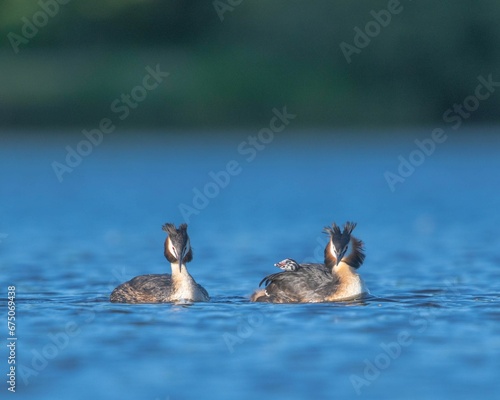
<point x="429" y="329"/>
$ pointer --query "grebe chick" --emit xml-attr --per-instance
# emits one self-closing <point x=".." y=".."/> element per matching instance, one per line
<point x="288" y="264"/>
<point x="162" y="288"/>
<point x="335" y="280"/>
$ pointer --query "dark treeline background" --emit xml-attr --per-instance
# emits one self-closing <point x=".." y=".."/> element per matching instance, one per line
<point x="230" y="62"/>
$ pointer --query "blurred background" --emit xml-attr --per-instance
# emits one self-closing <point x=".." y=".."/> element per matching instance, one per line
<point x="231" y="62"/>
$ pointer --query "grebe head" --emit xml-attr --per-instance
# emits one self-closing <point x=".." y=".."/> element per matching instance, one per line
<point x="177" y="245"/>
<point x="339" y="241"/>
<point x="288" y="264"/>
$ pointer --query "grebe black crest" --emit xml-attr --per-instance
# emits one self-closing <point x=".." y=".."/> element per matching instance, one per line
<point x="335" y="280"/>
<point x="162" y="288"/>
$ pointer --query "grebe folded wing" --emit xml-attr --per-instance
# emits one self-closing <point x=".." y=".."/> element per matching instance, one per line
<point x="307" y="284"/>
<point x="151" y="288"/>
<point x="203" y="292"/>
<point x="289" y="265"/>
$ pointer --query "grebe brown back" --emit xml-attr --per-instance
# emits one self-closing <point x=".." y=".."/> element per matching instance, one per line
<point x="335" y="280"/>
<point x="162" y="288"/>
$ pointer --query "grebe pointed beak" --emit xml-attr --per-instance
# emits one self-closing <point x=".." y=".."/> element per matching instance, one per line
<point x="183" y="254"/>
<point x="179" y="254"/>
<point x="339" y="257"/>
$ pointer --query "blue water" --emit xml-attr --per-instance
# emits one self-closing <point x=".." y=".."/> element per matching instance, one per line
<point x="430" y="329"/>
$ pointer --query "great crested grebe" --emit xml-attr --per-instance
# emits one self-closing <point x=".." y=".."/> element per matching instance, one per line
<point x="288" y="264"/>
<point x="335" y="280"/>
<point x="162" y="288"/>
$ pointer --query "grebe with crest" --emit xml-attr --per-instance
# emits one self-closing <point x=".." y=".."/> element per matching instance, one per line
<point x="335" y="280"/>
<point x="161" y="288"/>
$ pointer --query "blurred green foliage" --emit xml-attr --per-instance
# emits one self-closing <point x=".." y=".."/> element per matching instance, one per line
<point x="232" y="72"/>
